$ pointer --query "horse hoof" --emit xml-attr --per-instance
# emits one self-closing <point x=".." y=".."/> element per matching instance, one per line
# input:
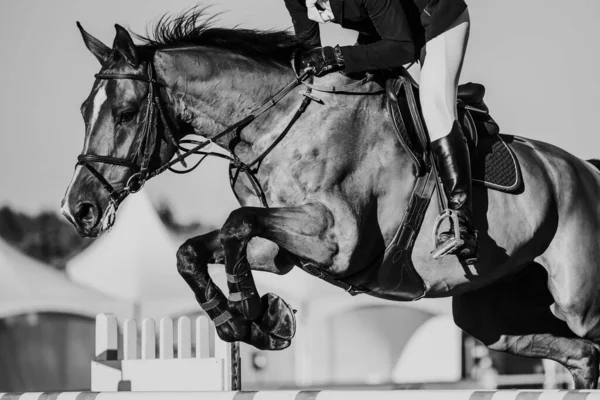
<point x="263" y="341"/>
<point x="274" y="330"/>
<point x="278" y="319"/>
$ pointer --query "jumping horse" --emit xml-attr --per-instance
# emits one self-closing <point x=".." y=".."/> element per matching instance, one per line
<point x="321" y="176"/>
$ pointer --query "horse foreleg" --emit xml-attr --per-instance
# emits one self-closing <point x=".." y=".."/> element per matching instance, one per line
<point x="193" y="258"/>
<point x="299" y="230"/>
<point x="514" y="317"/>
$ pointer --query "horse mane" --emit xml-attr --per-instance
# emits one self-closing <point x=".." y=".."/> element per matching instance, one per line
<point x="194" y="27"/>
<point x="595" y="162"/>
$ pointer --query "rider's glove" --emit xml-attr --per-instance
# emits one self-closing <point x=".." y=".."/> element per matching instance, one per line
<point x="321" y="60"/>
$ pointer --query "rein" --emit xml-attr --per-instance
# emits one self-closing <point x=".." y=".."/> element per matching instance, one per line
<point x="342" y="89"/>
<point x="147" y="146"/>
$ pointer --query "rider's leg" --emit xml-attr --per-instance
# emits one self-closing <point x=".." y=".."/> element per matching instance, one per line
<point x="438" y="87"/>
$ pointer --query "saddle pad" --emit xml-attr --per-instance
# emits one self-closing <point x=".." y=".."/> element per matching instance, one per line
<point x="495" y="165"/>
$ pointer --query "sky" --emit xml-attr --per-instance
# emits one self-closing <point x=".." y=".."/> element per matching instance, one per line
<point x="539" y="60"/>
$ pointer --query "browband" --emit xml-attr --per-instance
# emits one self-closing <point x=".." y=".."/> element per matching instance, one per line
<point x="135" y="77"/>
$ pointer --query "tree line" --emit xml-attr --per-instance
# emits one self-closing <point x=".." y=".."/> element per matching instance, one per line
<point x="50" y="238"/>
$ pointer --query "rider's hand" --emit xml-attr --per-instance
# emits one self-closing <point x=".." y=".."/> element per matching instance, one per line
<point x="320" y="60"/>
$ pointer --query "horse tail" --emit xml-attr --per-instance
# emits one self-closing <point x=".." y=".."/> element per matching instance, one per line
<point x="595" y="162"/>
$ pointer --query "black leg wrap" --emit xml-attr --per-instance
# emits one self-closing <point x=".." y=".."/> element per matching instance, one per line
<point x="216" y="310"/>
<point x="243" y="296"/>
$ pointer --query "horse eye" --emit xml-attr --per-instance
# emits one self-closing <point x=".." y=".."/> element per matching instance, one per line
<point x="127" y="116"/>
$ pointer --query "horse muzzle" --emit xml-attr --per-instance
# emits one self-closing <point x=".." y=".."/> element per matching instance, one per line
<point x="85" y="216"/>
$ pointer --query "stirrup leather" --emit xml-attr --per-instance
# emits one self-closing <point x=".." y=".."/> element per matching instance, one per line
<point x="440" y="250"/>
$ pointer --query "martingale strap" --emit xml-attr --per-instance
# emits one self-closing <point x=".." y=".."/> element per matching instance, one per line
<point x="248" y="168"/>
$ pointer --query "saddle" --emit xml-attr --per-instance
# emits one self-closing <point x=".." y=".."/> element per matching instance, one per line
<point x="493" y="164"/>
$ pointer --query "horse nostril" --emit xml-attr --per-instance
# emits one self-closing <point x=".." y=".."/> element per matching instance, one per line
<point x="87" y="213"/>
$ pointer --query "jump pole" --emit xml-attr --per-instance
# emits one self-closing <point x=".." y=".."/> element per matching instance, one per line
<point x="317" y="395"/>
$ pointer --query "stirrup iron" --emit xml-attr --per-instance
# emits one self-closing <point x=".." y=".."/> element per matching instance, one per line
<point x="440" y="250"/>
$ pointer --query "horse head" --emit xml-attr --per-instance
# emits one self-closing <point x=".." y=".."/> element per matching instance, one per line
<point x="122" y="145"/>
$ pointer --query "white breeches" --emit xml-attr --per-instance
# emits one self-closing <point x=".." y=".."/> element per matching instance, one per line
<point x="439" y="77"/>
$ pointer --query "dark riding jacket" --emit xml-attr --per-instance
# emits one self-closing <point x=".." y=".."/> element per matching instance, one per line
<point x="391" y="32"/>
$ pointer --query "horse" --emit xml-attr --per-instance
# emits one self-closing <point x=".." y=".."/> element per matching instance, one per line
<point x="321" y="179"/>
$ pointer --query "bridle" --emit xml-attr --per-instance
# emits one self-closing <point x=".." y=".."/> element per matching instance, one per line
<point x="140" y="164"/>
<point x="147" y="144"/>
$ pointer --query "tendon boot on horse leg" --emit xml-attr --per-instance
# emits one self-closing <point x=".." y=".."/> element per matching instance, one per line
<point x="193" y="258"/>
<point x="451" y="155"/>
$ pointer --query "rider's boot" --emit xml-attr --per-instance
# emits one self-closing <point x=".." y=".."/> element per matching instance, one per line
<point x="452" y="159"/>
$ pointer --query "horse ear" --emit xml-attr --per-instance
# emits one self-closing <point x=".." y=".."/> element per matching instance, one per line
<point x="99" y="50"/>
<point x="124" y="45"/>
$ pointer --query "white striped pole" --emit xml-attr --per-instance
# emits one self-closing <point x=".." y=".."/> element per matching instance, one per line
<point x="318" y="395"/>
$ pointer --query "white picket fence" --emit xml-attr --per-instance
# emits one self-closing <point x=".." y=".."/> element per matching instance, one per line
<point x="126" y="359"/>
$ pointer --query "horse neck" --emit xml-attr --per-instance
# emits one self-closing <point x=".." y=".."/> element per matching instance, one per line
<point x="210" y="89"/>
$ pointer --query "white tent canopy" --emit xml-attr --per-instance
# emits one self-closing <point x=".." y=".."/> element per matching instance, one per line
<point x="136" y="262"/>
<point x="28" y="286"/>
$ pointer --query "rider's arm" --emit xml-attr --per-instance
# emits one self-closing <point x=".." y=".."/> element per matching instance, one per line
<point x="305" y="29"/>
<point x="363" y="38"/>
<point x="396" y="46"/>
